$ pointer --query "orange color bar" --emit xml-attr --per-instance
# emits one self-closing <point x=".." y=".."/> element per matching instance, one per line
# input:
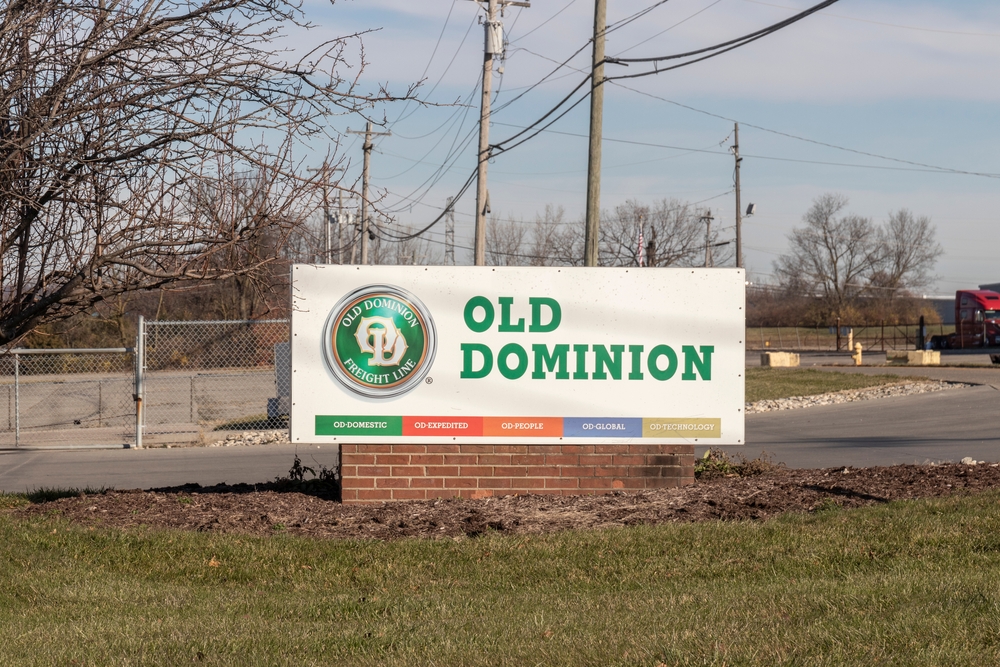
<point x="523" y="427"/>
<point x="453" y="426"/>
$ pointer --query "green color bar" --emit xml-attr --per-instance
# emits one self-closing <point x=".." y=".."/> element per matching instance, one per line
<point x="355" y="425"/>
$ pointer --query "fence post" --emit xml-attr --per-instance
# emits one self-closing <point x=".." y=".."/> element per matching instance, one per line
<point x="17" y="400"/>
<point x="140" y="362"/>
<point x="100" y="402"/>
<point x="838" y="334"/>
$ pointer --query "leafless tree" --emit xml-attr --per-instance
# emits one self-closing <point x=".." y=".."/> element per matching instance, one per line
<point x="842" y="258"/>
<point x="505" y="241"/>
<point x="554" y="241"/>
<point x="673" y="234"/>
<point x="908" y="252"/>
<point x="112" y="117"/>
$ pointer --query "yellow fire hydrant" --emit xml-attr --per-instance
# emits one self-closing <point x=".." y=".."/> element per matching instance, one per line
<point x="857" y="354"/>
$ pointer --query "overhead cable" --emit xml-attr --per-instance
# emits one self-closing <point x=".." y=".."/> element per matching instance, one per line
<point x="712" y="51"/>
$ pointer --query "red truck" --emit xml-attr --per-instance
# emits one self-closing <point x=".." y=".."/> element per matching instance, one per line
<point x="977" y="323"/>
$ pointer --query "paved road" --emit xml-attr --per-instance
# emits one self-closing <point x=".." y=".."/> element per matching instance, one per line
<point x="940" y="426"/>
<point x="946" y="425"/>
<point x="131" y="468"/>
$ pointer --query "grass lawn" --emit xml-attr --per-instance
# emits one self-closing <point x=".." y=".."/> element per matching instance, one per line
<point x="913" y="583"/>
<point x="773" y="383"/>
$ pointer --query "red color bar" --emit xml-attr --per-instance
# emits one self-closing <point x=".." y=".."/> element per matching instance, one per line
<point x="453" y="426"/>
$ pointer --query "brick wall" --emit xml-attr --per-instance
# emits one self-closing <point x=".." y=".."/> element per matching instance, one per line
<point x="371" y="473"/>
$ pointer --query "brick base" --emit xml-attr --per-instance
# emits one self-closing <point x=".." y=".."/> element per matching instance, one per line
<point x="371" y="473"/>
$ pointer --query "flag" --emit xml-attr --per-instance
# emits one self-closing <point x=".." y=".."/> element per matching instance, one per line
<point x="640" y="253"/>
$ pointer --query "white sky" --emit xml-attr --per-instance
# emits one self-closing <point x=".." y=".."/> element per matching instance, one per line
<point x="915" y="81"/>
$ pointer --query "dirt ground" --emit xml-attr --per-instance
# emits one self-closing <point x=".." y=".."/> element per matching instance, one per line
<point x="309" y="510"/>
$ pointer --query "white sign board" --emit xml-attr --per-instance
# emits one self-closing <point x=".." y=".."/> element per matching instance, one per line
<point x="384" y="354"/>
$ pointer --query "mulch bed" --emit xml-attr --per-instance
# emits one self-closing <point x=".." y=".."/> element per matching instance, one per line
<point x="283" y="508"/>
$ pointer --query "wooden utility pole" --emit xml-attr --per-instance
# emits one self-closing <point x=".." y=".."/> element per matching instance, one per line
<point x="739" y="209"/>
<point x="490" y="26"/>
<point x="596" y="130"/>
<point x="367" y="147"/>
<point x="324" y="171"/>
<point x="492" y="46"/>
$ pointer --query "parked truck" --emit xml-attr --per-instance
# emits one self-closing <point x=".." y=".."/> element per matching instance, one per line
<point x="977" y="324"/>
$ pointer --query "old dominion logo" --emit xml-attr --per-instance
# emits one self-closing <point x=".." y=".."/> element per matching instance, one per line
<point x="379" y="341"/>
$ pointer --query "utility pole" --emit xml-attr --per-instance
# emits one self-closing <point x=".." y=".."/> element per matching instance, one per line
<point x="492" y="46"/>
<point x="492" y="29"/>
<point x="343" y="220"/>
<point x="325" y="175"/>
<point x="708" y="237"/>
<point x="449" y="235"/>
<point x="596" y="130"/>
<point x="739" y="210"/>
<point x="367" y="147"/>
<point x="340" y="227"/>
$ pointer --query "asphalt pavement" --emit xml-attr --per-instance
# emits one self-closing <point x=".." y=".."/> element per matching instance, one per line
<point x="941" y="426"/>
<point x="146" y="468"/>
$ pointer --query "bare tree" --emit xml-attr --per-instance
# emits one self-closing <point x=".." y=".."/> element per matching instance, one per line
<point x="112" y="113"/>
<point x="555" y="242"/>
<point x="909" y="252"/>
<point x="505" y="241"/>
<point x="841" y="258"/>
<point x="673" y="234"/>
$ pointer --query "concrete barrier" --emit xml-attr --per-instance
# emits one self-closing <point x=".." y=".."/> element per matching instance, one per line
<point x="779" y="359"/>
<point x="913" y="358"/>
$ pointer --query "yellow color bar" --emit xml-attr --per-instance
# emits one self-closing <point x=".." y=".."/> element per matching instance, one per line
<point x="681" y="428"/>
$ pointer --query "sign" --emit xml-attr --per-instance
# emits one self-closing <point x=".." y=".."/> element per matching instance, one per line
<point x="384" y="354"/>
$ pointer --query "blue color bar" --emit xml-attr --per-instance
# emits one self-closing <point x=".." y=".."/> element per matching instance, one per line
<point x="609" y="427"/>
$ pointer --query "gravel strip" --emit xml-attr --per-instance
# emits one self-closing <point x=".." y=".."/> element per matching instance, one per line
<point x="851" y="395"/>
<point x="252" y="438"/>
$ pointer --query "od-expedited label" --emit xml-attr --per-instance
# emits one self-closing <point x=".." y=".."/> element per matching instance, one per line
<point x="682" y="428"/>
<point x="453" y="426"/>
<point x="353" y="425"/>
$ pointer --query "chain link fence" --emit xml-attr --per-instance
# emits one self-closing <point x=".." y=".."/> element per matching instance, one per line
<point x="67" y="397"/>
<point x="204" y="378"/>
<point x="872" y="337"/>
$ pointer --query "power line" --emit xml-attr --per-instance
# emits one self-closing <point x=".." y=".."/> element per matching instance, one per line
<point x="666" y="30"/>
<point x="546" y="115"/>
<point x="715" y="50"/>
<point x="450" y="206"/>
<point x="565" y="7"/>
<point x="634" y="17"/>
<point x="443" y="74"/>
<point x="807" y="140"/>
<point x="888" y="25"/>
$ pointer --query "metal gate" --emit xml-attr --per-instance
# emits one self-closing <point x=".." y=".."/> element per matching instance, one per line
<point x="183" y="382"/>
<point x="68" y="397"/>
<point x="200" y="380"/>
